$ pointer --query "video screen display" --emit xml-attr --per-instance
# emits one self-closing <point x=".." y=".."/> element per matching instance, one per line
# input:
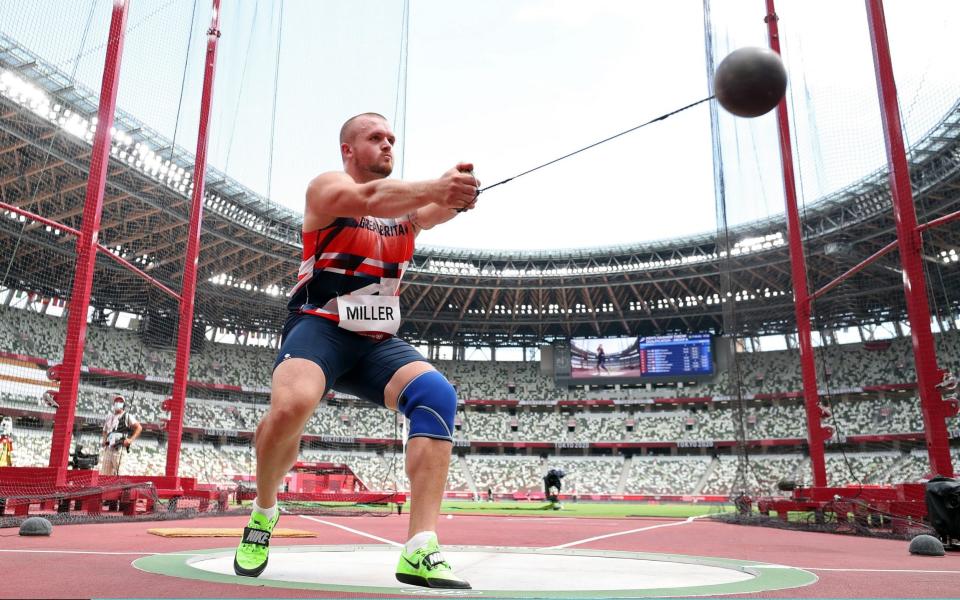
<point x="604" y="357"/>
<point x="675" y="355"/>
<point x="681" y="354"/>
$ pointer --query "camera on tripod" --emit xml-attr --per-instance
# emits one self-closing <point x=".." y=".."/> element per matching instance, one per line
<point x="83" y="461"/>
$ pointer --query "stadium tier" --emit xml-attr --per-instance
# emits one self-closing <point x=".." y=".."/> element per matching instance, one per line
<point x="842" y="367"/>
<point x="521" y="476"/>
<point x="505" y="404"/>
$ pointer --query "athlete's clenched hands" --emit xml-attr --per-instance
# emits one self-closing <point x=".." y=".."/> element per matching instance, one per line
<point x="457" y="188"/>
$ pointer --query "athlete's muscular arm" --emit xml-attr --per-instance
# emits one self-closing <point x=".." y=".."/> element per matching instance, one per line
<point x="336" y="194"/>
<point x="428" y="216"/>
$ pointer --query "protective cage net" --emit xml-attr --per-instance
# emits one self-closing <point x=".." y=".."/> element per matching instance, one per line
<point x="864" y="363"/>
<point x="747" y="439"/>
<point x="51" y="64"/>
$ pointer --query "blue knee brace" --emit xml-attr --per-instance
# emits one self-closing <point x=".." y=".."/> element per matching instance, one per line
<point x="430" y="402"/>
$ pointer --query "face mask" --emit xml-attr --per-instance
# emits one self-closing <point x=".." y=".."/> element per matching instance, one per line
<point x="118" y="406"/>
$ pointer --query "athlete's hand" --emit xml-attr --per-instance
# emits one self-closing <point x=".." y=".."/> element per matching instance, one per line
<point x="468" y="168"/>
<point x="457" y="188"/>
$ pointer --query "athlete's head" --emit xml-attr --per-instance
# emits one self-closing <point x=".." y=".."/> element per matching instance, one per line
<point x="366" y="146"/>
<point x="118" y="403"/>
<point x="6" y="426"/>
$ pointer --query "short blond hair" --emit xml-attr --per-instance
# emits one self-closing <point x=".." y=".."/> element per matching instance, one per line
<point x="346" y="129"/>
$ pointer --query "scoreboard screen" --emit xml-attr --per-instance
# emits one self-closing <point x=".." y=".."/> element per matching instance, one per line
<point x="675" y="355"/>
<point x="634" y="359"/>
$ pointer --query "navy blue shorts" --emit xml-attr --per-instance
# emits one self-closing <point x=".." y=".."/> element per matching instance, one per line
<point x="352" y="363"/>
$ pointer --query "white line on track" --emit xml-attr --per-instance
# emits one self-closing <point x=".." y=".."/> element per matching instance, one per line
<point x="356" y="531"/>
<point x="514" y="519"/>
<point x="850" y="569"/>
<point x="686" y="521"/>
<point x="25" y="551"/>
<point x="877" y="570"/>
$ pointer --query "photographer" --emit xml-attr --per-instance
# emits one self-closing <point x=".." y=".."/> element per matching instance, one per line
<point x="120" y="429"/>
<point x="551" y="487"/>
<point x="6" y="442"/>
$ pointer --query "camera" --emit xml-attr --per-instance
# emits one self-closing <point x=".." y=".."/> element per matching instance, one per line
<point x="82" y="460"/>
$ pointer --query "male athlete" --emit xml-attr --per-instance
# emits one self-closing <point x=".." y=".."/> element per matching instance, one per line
<point x="358" y="238"/>
<point x="601" y="359"/>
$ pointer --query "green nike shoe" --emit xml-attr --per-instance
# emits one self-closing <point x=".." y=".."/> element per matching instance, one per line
<point x="426" y="567"/>
<point x="254" y="549"/>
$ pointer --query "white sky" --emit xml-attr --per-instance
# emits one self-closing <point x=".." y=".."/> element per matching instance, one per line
<point x="509" y="84"/>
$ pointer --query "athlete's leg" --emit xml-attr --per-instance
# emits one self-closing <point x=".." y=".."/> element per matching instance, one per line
<point x="313" y="351"/>
<point x="395" y="375"/>
<point x="298" y="385"/>
<point x="428" y="460"/>
<point x="428" y="400"/>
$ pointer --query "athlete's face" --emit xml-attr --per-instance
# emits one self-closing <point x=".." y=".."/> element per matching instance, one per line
<point x="372" y="146"/>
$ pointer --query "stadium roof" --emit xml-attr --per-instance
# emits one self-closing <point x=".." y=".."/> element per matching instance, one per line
<point x="250" y="246"/>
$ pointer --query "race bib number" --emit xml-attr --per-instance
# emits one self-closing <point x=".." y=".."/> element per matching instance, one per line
<point x="369" y="314"/>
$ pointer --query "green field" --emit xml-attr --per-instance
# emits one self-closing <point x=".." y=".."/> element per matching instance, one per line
<point x="581" y="509"/>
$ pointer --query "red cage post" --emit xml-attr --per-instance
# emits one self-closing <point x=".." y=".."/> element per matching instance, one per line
<point x="816" y="433"/>
<point x="87" y="247"/>
<point x="911" y="247"/>
<point x="189" y="285"/>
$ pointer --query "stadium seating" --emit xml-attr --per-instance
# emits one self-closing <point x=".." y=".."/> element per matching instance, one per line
<point x="594" y="475"/>
<point x="541" y="426"/>
<point x="842" y="371"/>
<point x="605" y="427"/>
<point x="652" y="475"/>
<point x="477" y="425"/>
<point x="507" y="474"/>
<point x="864" y="468"/>
<point x="853" y="416"/>
<point x="665" y="475"/>
<point x="843" y="366"/>
<point x="31" y="448"/>
<point x="759" y="473"/>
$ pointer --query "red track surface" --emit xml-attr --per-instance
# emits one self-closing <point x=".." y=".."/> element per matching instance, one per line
<point x="60" y="574"/>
